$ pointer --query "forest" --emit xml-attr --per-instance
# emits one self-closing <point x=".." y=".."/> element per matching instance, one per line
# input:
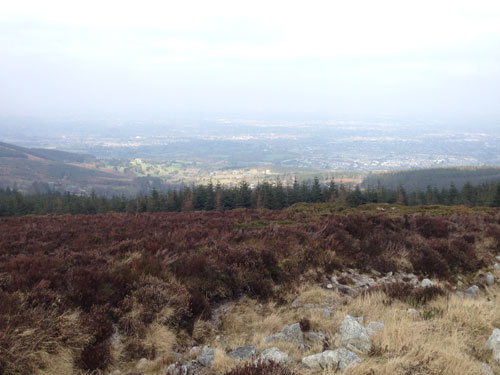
<point x="265" y="195"/>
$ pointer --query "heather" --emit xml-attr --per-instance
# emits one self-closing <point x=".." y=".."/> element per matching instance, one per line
<point x="70" y="284"/>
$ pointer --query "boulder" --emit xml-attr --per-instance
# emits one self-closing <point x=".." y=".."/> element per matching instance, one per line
<point x="354" y="336"/>
<point x="188" y="368"/>
<point x="243" y="352"/>
<point x="489" y="279"/>
<point x="374" y="327"/>
<point x="207" y="357"/>
<point x="486" y="369"/>
<point x="493" y="344"/>
<point x="290" y="333"/>
<point x="426" y="283"/>
<point x="338" y="359"/>
<point x="274" y="355"/>
<point x="471" y="292"/>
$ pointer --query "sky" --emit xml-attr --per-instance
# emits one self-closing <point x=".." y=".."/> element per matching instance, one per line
<point x="408" y="58"/>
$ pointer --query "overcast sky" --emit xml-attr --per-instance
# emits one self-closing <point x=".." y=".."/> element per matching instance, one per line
<point x="319" y="57"/>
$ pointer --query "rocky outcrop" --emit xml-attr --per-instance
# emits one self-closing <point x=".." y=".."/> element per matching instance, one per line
<point x="354" y="336"/>
<point x="338" y="359"/>
<point x="243" y="352"/>
<point x="291" y="333"/>
<point x="274" y="355"/>
<point x="493" y="344"/>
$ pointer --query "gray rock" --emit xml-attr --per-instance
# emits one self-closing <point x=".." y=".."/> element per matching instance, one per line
<point x="274" y="355"/>
<point x="295" y="303"/>
<point x="471" y="292"/>
<point x="142" y="364"/>
<point x="338" y="359"/>
<point x="374" y="327"/>
<point x="354" y="336"/>
<point x="207" y="357"/>
<point x="243" y="352"/>
<point x="486" y="369"/>
<point x="316" y="337"/>
<point x="426" y="283"/>
<point x="329" y="286"/>
<point x="195" y="351"/>
<point x="412" y="311"/>
<point x="493" y="344"/>
<point x="291" y="333"/>
<point x="496" y="267"/>
<point x="188" y="368"/>
<point x="325" y="310"/>
<point x="489" y="279"/>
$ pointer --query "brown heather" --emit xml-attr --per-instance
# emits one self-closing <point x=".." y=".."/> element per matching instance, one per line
<point x="67" y="283"/>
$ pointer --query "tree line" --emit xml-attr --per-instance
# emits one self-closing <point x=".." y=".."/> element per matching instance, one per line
<point x="273" y="196"/>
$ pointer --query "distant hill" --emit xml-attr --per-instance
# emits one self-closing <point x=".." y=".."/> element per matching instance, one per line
<point x="34" y="170"/>
<point x="419" y="179"/>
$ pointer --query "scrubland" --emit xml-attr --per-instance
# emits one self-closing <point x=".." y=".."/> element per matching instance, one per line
<point x="97" y="293"/>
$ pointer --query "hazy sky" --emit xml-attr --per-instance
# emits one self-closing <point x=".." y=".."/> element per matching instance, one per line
<point x="376" y="56"/>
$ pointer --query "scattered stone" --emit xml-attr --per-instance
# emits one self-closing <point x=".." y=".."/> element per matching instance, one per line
<point x="338" y="359"/>
<point x="194" y="352"/>
<point x="412" y="311"/>
<point x="471" y="292"/>
<point x="243" y="352"/>
<point x="354" y="336"/>
<point x="493" y="344"/>
<point x="426" y="283"/>
<point x="142" y="364"/>
<point x="188" y="368"/>
<point x="291" y="333"/>
<point x="496" y="267"/>
<point x="489" y="279"/>
<point x="486" y="369"/>
<point x="329" y="286"/>
<point x="325" y="310"/>
<point x="295" y="303"/>
<point x="207" y="357"/>
<point x="374" y="327"/>
<point x="274" y="355"/>
<point x="316" y="336"/>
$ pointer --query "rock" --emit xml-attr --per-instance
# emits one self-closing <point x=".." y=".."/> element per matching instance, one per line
<point x="195" y="351"/>
<point x="496" y="267"/>
<point x="206" y="358"/>
<point x="486" y="369"/>
<point x="273" y="355"/>
<point x="329" y="286"/>
<point x="291" y="333"/>
<point x="360" y="319"/>
<point x="243" y="352"/>
<point x="142" y="364"/>
<point x="412" y="311"/>
<point x="338" y="359"/>
<point x="188" y="368"/>
<point x="471" y="292"/>
<point x="497" y="258"/>
<point x="493" y="344"/>
<point x="295" y="303"/>
<point x="374" y="327"/>
<point x="316" y="337"/>
<point x="489" y="279"/>
<point x="354" y="336"/>
<point x="426" y="283"/>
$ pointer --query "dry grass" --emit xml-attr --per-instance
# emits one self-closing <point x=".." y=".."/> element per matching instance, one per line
<point x="446" y="337"/>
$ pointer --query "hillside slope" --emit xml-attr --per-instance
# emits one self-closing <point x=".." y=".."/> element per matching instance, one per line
<point x="31" y="170"/>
